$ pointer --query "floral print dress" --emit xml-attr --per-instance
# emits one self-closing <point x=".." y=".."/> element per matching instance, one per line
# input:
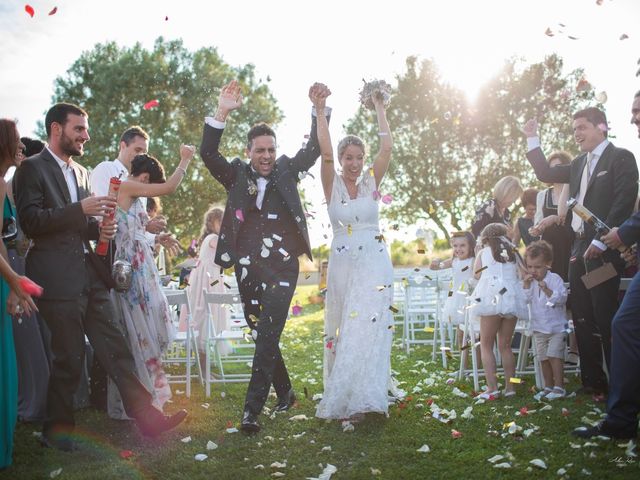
<point x="143" y="310"/>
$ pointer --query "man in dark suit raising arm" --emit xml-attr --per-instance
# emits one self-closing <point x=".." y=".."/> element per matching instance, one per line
<point x="263" y="232"/>
<point x="623" y="404"/>
<point x="56" y="211"/>
<point x="603" y="178"/>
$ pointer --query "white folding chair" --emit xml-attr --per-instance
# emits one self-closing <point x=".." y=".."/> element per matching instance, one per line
<point x="420" y="312"/>
<point x="236" y="339"/>
<point x="179" y="299"/>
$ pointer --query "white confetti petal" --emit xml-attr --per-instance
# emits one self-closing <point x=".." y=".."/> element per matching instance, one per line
<point x="232" y="430"/>
<point x="502" y="465"/>
<point x="297" y="418"/>
<point x="200" y="457"/>
<point x="185" y="439"/>
<point x="225" y="257"/>
<point x="495" y="458"/>
<point x="259" y="467"/>
<point x="536" y="462"/>
<point x="277" y="474"/>
<point x="211" y="445"/>
<point x="326" y="449"/>
<point x="55" y="473"/>
<point x="279" y="465"/>
<point x="424" y="449"/>
<point x="244" y="261"/>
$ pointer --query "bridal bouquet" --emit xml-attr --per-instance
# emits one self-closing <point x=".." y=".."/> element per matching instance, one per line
<point x="375" y="87"/>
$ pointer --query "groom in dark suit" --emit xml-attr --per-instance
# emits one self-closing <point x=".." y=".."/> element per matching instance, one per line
<point x="56" y="210"/>
<point x="263" y="232"/>
<point x="603" y="178"/>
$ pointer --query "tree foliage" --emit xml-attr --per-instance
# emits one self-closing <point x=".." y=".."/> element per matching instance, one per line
<point x="448" y="153"/>
<point x="113" y="83"/>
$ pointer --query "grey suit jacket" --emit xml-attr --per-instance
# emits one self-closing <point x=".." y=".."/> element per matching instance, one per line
<point x="59" y="229"/>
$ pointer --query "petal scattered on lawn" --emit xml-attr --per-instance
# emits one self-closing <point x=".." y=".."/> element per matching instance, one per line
<point x="502" y="465"/>
<point x="126" y="453"/>
<point x="375" y="471"/>
<point x="277" y="474"/>
<point x="495" y="458"/>
<point x="456" y="434"/>
<point x="297" y="418"/>
<point x="211" y="445"/>
<point x="279" y="465"/>
<point x="536" y="462"/>
<point x="200" y="457"/>
<point x="185" y="439"/>
<point x="424" y="449"/>
<point x="55" y="473"/>
<point x="232" y="430"/>
<point x="326" y="449"/>
<point x="259" y="467"/>
<point x="348" y="427"/>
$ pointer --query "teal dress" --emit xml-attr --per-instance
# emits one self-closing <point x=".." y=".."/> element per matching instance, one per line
<point x="8" y="371"/>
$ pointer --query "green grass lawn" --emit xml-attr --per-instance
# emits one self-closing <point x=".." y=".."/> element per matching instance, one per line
<point x="377" y="448"/>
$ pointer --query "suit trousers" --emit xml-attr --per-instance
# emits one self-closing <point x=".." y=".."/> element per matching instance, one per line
<point x="623" y="404"/>
<point x="593" y="311"/>
<point x="68" y="321"/>
<point x="266" y="293"/>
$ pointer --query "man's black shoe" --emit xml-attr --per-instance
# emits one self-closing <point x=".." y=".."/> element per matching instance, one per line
<point x="605" y="429"/>
<point x="286" y="402"/>
<point x="249" y="422"/>
<point x="153" y="422"/>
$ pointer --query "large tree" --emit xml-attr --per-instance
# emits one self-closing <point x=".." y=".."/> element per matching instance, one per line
<point x="113" y="84"/>
<point x="448" y="153"/>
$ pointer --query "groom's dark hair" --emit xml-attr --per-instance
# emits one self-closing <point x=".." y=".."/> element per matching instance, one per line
<point x="258" y="130"/>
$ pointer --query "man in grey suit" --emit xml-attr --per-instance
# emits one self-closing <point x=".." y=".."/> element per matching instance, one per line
<point x="603" y="178"/>
<point x="56" y="210"/>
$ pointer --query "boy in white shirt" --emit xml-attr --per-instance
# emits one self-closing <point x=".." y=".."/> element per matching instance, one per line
<point x="547" y="295"/>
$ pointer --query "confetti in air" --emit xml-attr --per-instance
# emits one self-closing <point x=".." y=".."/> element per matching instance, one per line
<point x="151" y="104"/>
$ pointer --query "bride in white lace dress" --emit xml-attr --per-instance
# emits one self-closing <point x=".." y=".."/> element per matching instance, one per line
<point x="358" y="321"/>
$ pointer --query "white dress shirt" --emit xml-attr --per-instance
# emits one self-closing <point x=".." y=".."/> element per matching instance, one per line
<point x="548" y="314"/>
<point x="102" y="173"/>
<point x="69" y="177"/>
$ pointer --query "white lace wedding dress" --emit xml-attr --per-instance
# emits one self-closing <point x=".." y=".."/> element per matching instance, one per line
<point x="358" y="321"/>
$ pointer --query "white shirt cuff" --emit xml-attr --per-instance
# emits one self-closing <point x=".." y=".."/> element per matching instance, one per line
<point x="532" y="143"/>
<point x="212" y="122"/>
<point x="599" y="244"/>
<point x="327" y="111"/>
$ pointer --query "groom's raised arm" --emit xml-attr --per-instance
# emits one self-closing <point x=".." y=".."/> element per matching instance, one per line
<point x="230" y="98"/>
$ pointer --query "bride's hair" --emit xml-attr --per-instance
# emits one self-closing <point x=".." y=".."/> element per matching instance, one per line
<point x="350" y="140"/>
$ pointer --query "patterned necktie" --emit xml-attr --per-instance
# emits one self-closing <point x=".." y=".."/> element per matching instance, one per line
<point x="576" y="222"/>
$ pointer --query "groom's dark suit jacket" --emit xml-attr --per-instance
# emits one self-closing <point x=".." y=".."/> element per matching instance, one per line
<point x="59" y="229"/>
<point x="286" y="217"/>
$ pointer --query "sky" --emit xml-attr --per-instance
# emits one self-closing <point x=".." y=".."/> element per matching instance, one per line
<point x="339" y="43"/>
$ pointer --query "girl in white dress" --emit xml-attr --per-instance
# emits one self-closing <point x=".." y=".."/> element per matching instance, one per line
<point x="499" y="301"/>
<point x="358" y="321"/>
<point x="207" y="275"/>
<point x="463" y="245"/>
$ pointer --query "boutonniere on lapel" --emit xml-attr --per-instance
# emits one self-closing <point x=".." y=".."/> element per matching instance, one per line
<point x="252" y="188"/>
